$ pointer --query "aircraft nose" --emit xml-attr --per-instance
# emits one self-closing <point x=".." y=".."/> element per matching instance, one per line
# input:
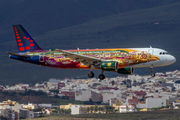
<point x="171" y="59"/>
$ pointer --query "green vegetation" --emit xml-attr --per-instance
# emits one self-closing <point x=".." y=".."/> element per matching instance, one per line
<point x="58" y="101"/>
<point x="26" y="92"/>
<point x="55" y="91"/>
<point x="3" y="118"/>
<point x="32" y="92"/>
<point x="62" y="111"/>
<point x="35" y="97"/>
<point x="155" y="115"/>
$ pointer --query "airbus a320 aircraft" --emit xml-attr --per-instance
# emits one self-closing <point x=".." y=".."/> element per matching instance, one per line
<point x="120" y="60"/>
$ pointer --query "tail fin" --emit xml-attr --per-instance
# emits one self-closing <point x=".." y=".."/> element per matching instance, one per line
<point x="24" y="41"/>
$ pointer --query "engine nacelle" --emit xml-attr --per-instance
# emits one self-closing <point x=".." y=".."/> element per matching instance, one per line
<point x="109" y="65"/>
<point x="125" y="71"/>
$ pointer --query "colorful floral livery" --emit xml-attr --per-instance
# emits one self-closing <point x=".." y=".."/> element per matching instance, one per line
<point x="120" y="60"/>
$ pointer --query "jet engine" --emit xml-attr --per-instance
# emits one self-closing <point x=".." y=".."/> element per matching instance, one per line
<point x="109" y="65"/>
<point x="125" y="71"/>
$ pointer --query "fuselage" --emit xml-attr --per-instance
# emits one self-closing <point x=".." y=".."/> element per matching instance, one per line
<point x="120" y="60"/>
<point x="126" y="57"/>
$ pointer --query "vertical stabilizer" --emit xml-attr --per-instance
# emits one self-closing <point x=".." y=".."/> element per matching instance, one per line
<point x="24" y="41"/>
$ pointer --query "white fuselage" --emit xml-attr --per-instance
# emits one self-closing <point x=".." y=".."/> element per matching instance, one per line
<point x="165" y="58"/>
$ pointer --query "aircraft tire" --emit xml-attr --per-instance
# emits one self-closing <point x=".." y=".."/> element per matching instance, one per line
<point x="101" y="77"/>
<point x="90" y="74"/>
<point x="153" y="75"/>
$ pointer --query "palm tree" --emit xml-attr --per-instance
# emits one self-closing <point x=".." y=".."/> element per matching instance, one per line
<point x="69" y="111"/>
<point x="96" y="108"/>
<point x="91" y="109"/>
<point x="99" y="109"/>
<point x="102" y="109"/>
<point x="62" y="110"/>
<point x="88" y="109"/>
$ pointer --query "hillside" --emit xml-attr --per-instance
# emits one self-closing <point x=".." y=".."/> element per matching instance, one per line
<point x="49" y="15"/>
<point x="108" y="25"/>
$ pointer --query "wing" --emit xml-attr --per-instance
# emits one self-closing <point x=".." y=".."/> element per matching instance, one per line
<point x="81" y="58"/>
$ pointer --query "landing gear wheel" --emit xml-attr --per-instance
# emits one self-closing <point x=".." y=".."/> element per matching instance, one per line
<point x="101" y="77"/>
<point x="152" y="68"/>
<point x="90" y="74"/>
<point x="153" y="75"/>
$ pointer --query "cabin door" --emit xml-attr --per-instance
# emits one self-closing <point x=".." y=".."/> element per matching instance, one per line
<point x="150" y="54"/>
<point x="41" y="58"/>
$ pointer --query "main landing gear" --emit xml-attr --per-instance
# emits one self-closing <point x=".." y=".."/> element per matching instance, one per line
<point x="91" y="74"/>
<point x="152" y="68"/>
<point x="101" y="76"/>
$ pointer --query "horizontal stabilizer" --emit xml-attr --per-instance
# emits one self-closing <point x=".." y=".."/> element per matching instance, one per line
<point x="17" y="54"/>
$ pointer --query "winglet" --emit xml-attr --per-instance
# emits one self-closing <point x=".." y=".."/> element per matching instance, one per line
<point x="52" y="49"/>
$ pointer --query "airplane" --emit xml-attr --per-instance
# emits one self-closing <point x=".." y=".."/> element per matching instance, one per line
<point x="119" y="60"/>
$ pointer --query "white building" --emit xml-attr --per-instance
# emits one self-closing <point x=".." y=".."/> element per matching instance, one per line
<point x="141" y="105"/>
<point x="39" y="85"/>
<point x="29" y="106"/>
<point x="15" y="87"/>
<point x="45" y="105"/>
<point x="169" y="74"/>
<point x="1" y="112"/>
<point x="126" y="108"/>
<point x="31" y="114"/>
<point x="155" y="102"/>
<point x="13" y="115"/>
<point x="17" y="107"/>
<point x="78" y="96"/>
<point x="107" y="96"/>
<point x="78" y="109"/>
<point x="86" y="95"/>
<point x="177" y="85"/>
<point x="53" y="83"/>
<point x="113" y="101"/>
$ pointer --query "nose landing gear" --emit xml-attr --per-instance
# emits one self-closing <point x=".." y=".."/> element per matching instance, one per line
<point x="152" y="68"/>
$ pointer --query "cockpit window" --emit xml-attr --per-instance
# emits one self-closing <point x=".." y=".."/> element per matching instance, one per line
<point x="163" y="53"/>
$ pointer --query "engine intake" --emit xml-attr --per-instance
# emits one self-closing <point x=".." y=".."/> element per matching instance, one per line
<point x="109" y="65"/>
